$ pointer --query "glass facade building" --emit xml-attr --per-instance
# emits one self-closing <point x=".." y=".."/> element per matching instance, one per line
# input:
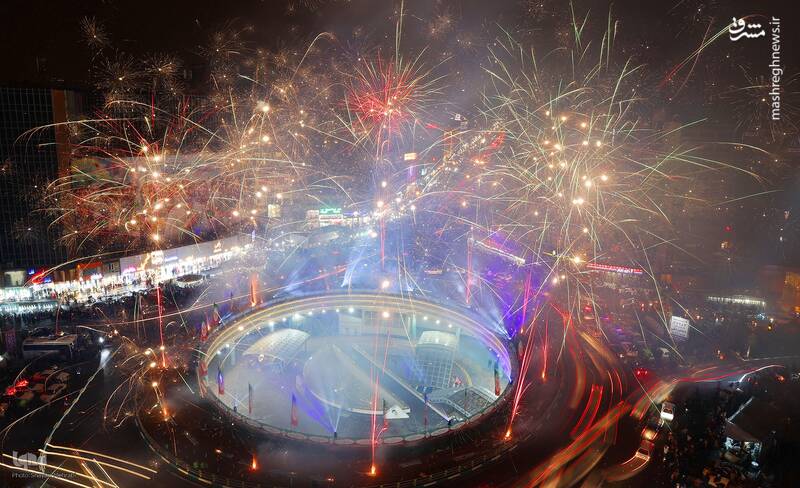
<point x="32" y="153"/>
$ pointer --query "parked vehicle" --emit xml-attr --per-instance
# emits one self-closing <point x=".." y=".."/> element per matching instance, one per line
<point x="53" y="392"/>
<point x="667" y="411"/>
<point x="645" y="448"/>
<point x="651" y="430"/>
<point x="63" y="347"/>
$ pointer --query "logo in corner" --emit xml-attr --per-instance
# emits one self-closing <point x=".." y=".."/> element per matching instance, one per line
<point x="29" y="461"/>
<point x="739" y="29"/>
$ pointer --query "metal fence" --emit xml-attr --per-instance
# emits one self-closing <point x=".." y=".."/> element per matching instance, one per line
<point x="210" y="478"/>
<point x="345" y="441"/>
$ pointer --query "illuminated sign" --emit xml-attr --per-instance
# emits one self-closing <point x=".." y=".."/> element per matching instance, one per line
<point x="38" y="276"/>
<point x="156" y="258"/>
<point x="410" y="156"/>
<point x="330" y="216"/>
<point x="615" y="269"/>
<point x="679" y="327"/>
<point x="739" y="300"/>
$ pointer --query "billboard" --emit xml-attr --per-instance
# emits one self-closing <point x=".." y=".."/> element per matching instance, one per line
<point x="330" y="216"/>
<point x="194" y="255"/>
<point x="615" y="269"/>
<point x="679" y="327"/>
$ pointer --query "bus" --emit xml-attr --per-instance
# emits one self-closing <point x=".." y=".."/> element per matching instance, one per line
<point x="63" y="347"/>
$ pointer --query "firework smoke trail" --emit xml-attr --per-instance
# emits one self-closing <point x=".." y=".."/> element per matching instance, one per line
<point x="562" y="162"/>
<point x="387" y="98"/>
<point x="750" y="105"/>
<point x="564" y="165"/>
<point x="127" y="187"/>
<point x="693" y="58"/>
<point x="100" y="368"/>
<point x="155" y="169"/>
<point x="578" y="173"/>
<point x="527" y="355"/>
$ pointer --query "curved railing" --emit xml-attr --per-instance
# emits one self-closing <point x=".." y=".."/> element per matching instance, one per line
<point x="370" y="300"/>
<point x="210" y="478"/>
<point x="204" y="476"/>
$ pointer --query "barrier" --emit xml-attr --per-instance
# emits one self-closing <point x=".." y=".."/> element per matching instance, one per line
<point x="272" y="310"/>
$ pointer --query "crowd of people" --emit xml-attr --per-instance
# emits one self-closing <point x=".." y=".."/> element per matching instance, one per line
<point x="694" y="451"/>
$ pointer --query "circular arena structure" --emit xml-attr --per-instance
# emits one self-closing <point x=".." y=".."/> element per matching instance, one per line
<point x="357" y="368"/>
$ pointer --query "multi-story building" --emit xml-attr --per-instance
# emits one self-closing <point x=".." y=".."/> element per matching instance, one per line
<point x="33" y="151"/>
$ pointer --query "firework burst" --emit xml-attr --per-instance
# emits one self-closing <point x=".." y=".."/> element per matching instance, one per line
<point x="387" y="98"/>
<point x="752" y="105"/>
<point x="567" y="165"/>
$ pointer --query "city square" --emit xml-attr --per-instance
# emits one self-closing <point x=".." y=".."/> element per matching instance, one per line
<point x="399" y="243"/>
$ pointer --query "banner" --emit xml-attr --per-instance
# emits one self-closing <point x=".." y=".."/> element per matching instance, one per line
<point x="425" y="414"/>
<point x="215" y="315"/>
<point x="294" y="411"/>
<point x="496" y="380"/>
<point x="203" y="375"/>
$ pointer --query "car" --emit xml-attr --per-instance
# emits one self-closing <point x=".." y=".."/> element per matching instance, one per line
<point x="650" y="431"/>
<point x="41" y="332"/>
<point x="645" y="448"/>
<point x="630" y="350"/>
<point x="668" y="411"/>
<point x="54" y="391"/>
<point x="39" y="377"/>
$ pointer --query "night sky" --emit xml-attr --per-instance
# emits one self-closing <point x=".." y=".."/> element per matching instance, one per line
<point x="42" y="44"/>
<point x="656" y="33"/>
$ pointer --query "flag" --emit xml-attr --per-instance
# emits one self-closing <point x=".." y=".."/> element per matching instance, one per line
<point x="253" y="289"/>
<point x="294" y="411"/>
<point x="202" y="382"/>
<point x="220" y="381"/>
<point x="425" y="414"/>
<point x="215" y="316"/>
<point x="232" y="307"/>
<point x="249" y="399"/>
<point x="203" y="331"/>
<point x="496" y="380"/>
